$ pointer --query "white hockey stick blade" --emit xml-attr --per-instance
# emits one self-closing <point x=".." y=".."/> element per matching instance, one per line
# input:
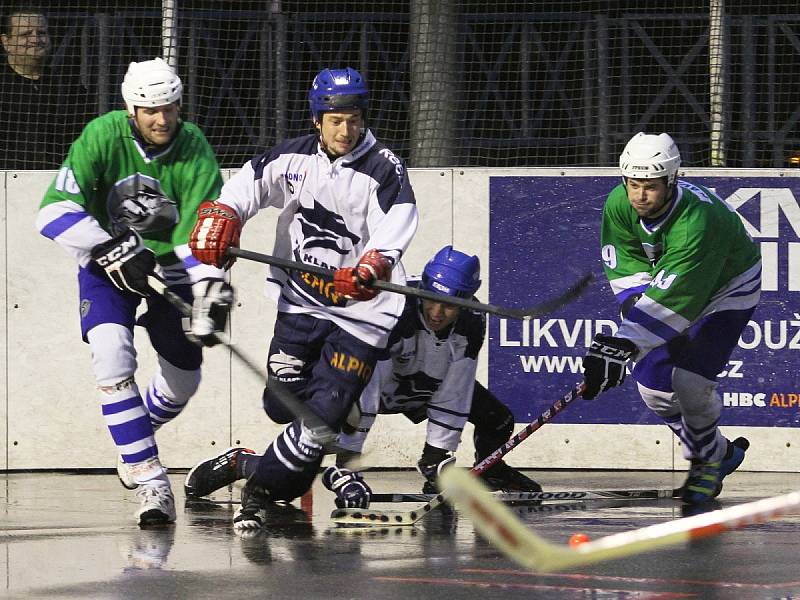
<point x="501" y="527"/>
<point x="365" y="517"/>
<point x="372" y="517"/>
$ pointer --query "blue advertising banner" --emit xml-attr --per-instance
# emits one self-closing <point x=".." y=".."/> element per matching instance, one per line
<point x="545" y="233"/>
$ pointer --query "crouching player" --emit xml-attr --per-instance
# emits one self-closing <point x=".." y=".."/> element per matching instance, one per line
<point x="428" y="372"/>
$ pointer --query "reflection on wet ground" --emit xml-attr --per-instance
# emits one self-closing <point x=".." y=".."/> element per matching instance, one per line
<point x="73" y="536"/>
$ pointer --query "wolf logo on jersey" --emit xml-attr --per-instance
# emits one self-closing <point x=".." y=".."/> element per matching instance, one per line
<point x="323" y="228"/>
<point x="285" y="366"/>
<point x="413" y="388"/>
<point x="138" y="202"/>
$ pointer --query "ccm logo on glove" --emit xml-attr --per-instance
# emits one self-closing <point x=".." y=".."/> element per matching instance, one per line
<point x="125" y="246"/>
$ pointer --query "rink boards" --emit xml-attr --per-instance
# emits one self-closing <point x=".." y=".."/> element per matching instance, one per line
<point x="535" y="231"/>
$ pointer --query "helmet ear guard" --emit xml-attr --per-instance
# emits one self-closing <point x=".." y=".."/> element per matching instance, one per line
<point x="150" y="83"/>
<point x="337" y="89"/>
<point x="650" y="157"/>
<point x="452" y="273"/>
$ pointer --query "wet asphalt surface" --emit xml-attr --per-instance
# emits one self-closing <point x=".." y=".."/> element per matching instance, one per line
<point x="73" y="536"/>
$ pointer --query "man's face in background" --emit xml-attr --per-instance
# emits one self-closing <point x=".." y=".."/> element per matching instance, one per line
<point x="27" y="37"/>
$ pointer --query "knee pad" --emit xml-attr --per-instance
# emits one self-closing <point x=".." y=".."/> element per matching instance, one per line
<point x="492" y="431"/>
<point x="352" y="442"/>
<point x="316" y="437"/>
<point x="274" y="407"/>
<point x="113" y="353"/>
<point x="664" y="404"/>
<point x="696" y="395"/>
<point x="501" y="421"/>
<point x="177" y="385"/>
<point x="492" y="419"/>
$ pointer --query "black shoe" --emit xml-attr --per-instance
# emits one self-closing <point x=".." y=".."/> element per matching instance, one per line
<point x="252" y="512"/>
<point x="429" y="488"/>
<point x="705" y="479"/>
<point x="502" y="477"/>
<point x="215" y="473"/>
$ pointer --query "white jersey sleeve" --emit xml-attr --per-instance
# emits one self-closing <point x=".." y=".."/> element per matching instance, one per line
<point x="331" y="213"/>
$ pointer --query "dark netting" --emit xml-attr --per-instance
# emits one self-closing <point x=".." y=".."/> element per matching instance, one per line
<point x="454" y="83"/>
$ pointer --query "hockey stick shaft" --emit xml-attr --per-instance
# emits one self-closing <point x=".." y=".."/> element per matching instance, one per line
<point x="525" y="313"/>
<point x="547" y="416"/>
<point x="507" y="532"/>
<point x="367" y="517"/>
<point x="566" y="496"/>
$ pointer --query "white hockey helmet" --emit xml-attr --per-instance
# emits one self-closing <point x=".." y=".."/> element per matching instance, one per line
<point x="150" y="83"/>
<point x="649" y="157"/>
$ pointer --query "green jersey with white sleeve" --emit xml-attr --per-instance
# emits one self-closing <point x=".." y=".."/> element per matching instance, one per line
<point x="111" y="181"/>
<point x="695" y="259"/>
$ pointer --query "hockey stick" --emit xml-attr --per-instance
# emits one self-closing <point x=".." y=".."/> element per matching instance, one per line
<point x="568" y="496"/>
<point x="292" y="404"/>
<point x="515" y="313"/>
<point x="517" y="497"/>
<point x="525" y="547"/>
<point x="367" y="517"/>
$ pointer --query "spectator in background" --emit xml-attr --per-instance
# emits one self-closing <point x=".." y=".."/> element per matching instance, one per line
<point x="42" y="109"/>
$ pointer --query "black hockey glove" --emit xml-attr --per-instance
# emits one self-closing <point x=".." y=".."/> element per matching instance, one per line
<point x="433" y="461"/>
<point x="604" y="364"/>
<point x="350" y="488"/>
<point x="213" y="299"/>
<point x="127" y="262"/>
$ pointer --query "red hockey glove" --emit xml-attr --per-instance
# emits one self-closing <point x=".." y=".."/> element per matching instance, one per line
<point x="218" y="228"/>
<point x="352" y="282"/>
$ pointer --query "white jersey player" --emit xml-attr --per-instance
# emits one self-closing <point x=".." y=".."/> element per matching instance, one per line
<point x="429" y="373"/>
<point x="344" y="202"/>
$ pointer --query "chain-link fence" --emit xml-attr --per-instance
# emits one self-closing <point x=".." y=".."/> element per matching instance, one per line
<point x="453" y="82"/>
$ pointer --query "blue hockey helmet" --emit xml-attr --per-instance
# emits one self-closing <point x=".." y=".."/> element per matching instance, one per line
<point x="452" y="273"/>
<point x="337" y="89"/>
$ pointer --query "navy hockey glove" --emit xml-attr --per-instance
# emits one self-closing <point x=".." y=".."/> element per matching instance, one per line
<point x="350" y="488"/>
<point x="213" y="299"/>
<point x="604" y="364"/>
<point x="127" y="262"/>
<point x="433" y="461"/>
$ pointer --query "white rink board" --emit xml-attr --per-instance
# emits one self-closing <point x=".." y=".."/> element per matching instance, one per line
<point x="3" y="335"/>
<point x="53" y="417"/>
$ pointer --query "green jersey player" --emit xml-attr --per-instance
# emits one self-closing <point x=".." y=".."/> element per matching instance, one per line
<point x="688" y="277"/>
<point x="123" y="205"/>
